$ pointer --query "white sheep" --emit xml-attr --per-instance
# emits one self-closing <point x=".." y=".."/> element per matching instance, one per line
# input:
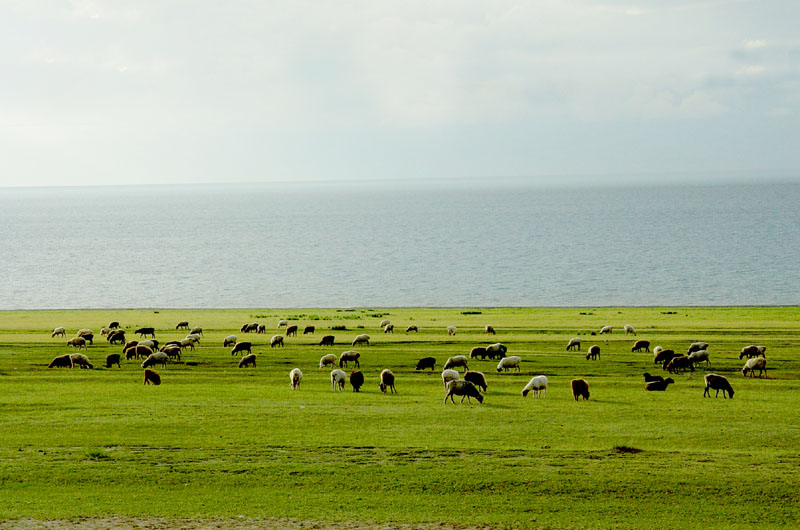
<point x="656" y="350"/>
<point x="629" y="329"/>
<point x="361" y="339"/>
<point x="77" y="342"/>
<point x="186" y="343"/>
<point x="508" y="363"/>
<point x="294" y="378"/>
<point x="697" y="346"/>
<point x="329" y="359"/>
<point x="150" y="343"/>
<point x="230" y="340"/>
<point x="197" y="330"/>
<point x="388" y="328"/>
<point x="538" y="384"/>
<point x="338" y="378"/>
<point x="496" y="350"/>
<point x="276" y="341"/>
<point x="574" y="342"/>
<point x="450" y="375"/>
<point x="59" y="332"/>
<point x="456" y="361"/>
<point x="349" y="356"/>
<point x="699" y="356"/>
<point x="194" y="337"/>
<point x="282" y="324"/>
<point x="158" y="357"/>
<point x="451" y="330"/>
<point x="383" y="323"/>
<point x="79" y="359"/>
<point x="606" y="329"/>
<point x="756" y="363"/>
<point x="84" y="331"/>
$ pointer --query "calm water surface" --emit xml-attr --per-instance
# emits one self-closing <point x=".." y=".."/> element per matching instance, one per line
<point x="336" y="245"/>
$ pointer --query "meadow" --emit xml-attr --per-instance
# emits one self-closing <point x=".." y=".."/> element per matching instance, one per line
<point x="215" y="442"/>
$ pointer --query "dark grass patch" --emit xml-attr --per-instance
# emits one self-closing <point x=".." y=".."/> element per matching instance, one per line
<point x="623" y="449"/>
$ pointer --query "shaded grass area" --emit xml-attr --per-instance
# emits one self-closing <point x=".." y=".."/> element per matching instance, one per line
<point x="216" y="441"/>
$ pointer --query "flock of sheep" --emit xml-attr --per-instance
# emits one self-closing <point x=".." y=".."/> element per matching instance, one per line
<point x="472" y="385"/>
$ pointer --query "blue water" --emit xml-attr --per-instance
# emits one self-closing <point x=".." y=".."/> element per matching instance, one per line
<point x="339" y="245"/>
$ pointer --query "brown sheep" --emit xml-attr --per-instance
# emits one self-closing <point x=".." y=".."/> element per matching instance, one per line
<point x="411" y="328"/>
<point x="309" y="330"/>
<point x="261" y="329"/>
<point x="664" y="357"/>
<point x="113" y="324"/>
<point x="112" y="359"/>
<point x="594" y="352"/>
<point x="172" y="351"/>
<point x="182" y="325"/>
<point x="291" y="331"/>
<point x="327" y="340"/>
<point x="242" y="347"/>
<point x="640" y="345"/>
<point x="138" y="352"/>
<point x="650" y="378"/>
<point x="146" y="331"/>
<point x="680" y="363"/>
<point x="658" y="386"/>
<point x="116" y="337"/>
<point x="349" y="356"/>
<point x="426" y="362"/>
<point x="356" y="381"/>
<point x="465" y="389"/>
<point x="248" y="360"/>
<point x="477" y="379"/>
<point x="151" y="376"/>
<point x="717" y="382"/>
<point x="478" y="352"/>
<point x="490" y="330"/>
<point x="62" y="361"/>
<point x="756" y="363"/>
<point x="580" y="388"/>
<point x="753" y="351"/>
<point x="387" y="381"/>
<point x="77" y="342"/>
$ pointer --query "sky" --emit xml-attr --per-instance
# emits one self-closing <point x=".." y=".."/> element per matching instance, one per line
<point x="154" y="92"/>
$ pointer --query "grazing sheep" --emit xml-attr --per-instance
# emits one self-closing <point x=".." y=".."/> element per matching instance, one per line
<point x="349" y="356"/>
<point x="361" y="339"/>
<point x="496" y="351"/>
<point x="664" y="357"/>
<point x="248" y="360"/>
<point x="104" y="331"/>
<point x="283" y="323"/>
<point x="151" y="376"/>
<point x="229" y="341"/>
<point x="338" y="378"/>
<point x="490" y="330"/>
<point x="186" y="343"/>
<point x="112" y="359"/>
<point x="356" y="381"/>
<point x="477" y="379"/>
<point x="197" y="330"/>
<point x="451" y="330"/>
<point x="172" y="343"/>
<point x="593" y="353"/>
<point x="291" y="331"/>
<point x="295" y="376"/>
<point x="478" y="352"/>
<point x="449" y="375"/>
<point x="59" y="332"/>
<point x="388" y="328"/>
<point x="411" y="328"/>
<point x="753" y="351"/>
<point x="508" y="363"/>
<point x="574" y="343"/>
<point x="383" y="323"/>
<point x="697" y="346"/>
<point x="276" y="341"/>
<point x="717" y="382"/>
<point x="153" y="359"/>
<point x="242" y="346"/>
<point x="756" y="363"/>
<point x="465" y="389"/>
<point x="194" y="338"/>
<point x="173" y="352"/>
<point x="248" y="328"/>
<point x="580" y="388"/>
<point x="62" y="361"/>
<point x="658" y="386"/>
<point x="113" y="324"/>
<point x="327" y="340"/>
<point x="116" y="337"/>
<point x="137" y="352"/>
<point x="329" y="359"/>
<point x="309" y="330"/>
<point x="261" y="329"/>
<point x="81" y="360"/>
<point x="426" y="362"/>
<point x="83" y="332"/>
<point x="143" y="332"/>
<point x="679" y="363"/>
<point x="696" y="357"/>
<point x="606" y="330"/>
<point x="650" y="378"/>
<point x="77" y="342"/>
<point x="656" y="350"/>
<point x="538" y="384"/>
<point x="129" y="344"/>
<point x="387" y="381"/>
<point x="88" y="337"/>
<point x="456" y="361"/>
<point x="640" y="345"/>
<point x="629" y="329"/>
<point x="150" y="343"/>
<point x="182" y="325"/>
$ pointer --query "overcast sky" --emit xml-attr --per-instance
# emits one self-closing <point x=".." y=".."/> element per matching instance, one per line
<point x="95" y="92"/>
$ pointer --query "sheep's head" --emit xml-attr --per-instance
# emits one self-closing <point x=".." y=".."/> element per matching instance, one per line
<point x="668" y="381"/>
<point x="479" y="397"/>
<point x="383" y="387"/>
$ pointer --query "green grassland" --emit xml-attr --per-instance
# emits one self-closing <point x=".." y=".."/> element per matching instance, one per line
<point x="216" y="441"/>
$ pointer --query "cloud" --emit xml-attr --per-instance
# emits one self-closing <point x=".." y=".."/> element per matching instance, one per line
<point x="754" y="44"/>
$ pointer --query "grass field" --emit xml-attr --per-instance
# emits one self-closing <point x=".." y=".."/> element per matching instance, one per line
<point x="214" y="441"/>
